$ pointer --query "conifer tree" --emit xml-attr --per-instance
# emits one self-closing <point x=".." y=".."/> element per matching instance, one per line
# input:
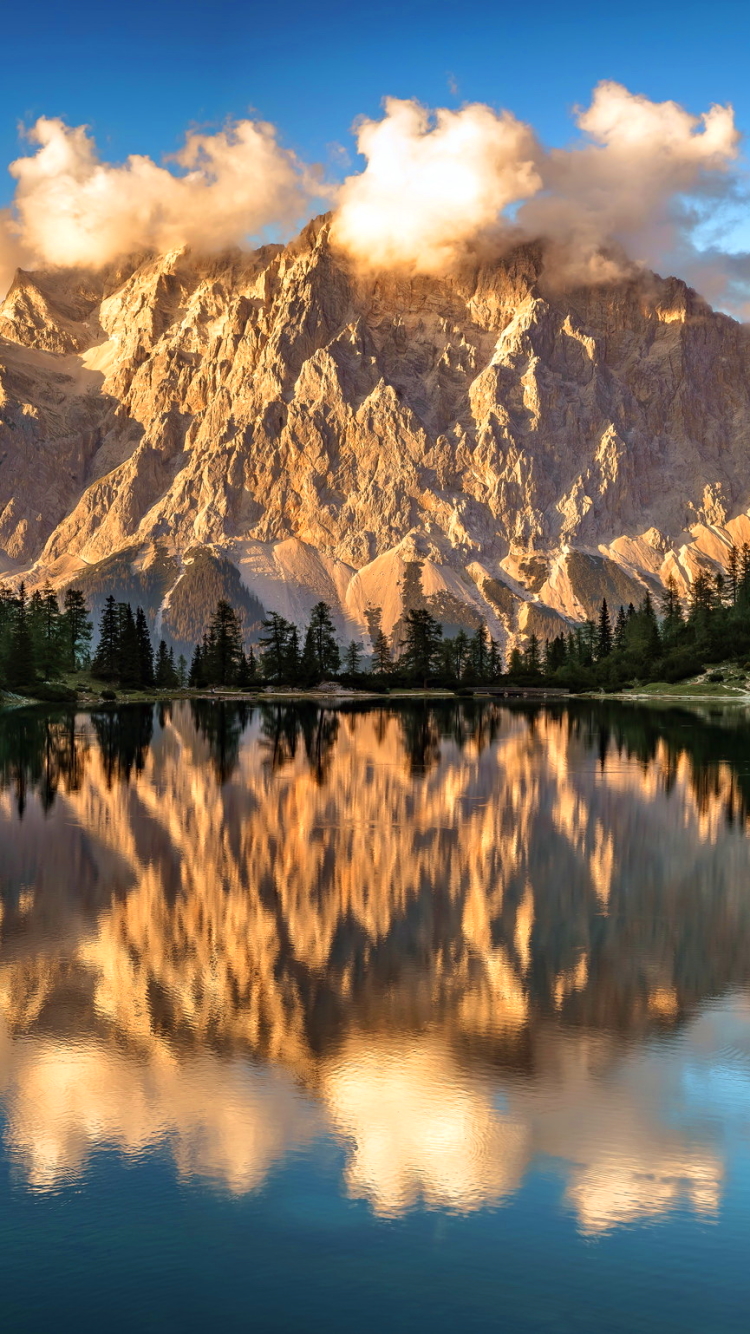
<point x="292" y="656"/>
<point x="321" y="638"/>
<point x="555" y="655"/>
<point x="515" y="663"/>
<point x="196" y="679"/>
<point x="352" y="658"/>
<point x="21" y="665"/>
<point x="106" y="657"/>
<point x="531" y="657"/>
<point x="604" y="633"/>
<point x="224" y="645"/>
<point x="671" y="608"/>
<point x="308" y="674"/>
<point x="478" y="655"/>
<point x="47" y="634"/>
<point x="75" y="629"/>
<point x="621" y="626"/>
<point x="422" y="636"/>
<point x="128" y="658"/>
<point x="145" y="651"/>
<point x="165" y="672"/>
<point x="274" y="643"/>
<point x="382" y="663"/>
<point x="246" y="672"/>
<point x="460" y="654"/>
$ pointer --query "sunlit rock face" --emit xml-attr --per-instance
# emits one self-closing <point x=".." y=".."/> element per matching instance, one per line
<point x="460" y="940"/>
<point x="318" y="429"/>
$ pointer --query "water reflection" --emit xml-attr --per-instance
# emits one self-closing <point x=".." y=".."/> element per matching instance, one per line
<point x="459" y="939"/>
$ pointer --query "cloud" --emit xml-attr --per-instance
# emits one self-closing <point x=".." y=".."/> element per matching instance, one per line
<point x="642" y="184"/>
<point x="635" y="188"/>
<point x="71" y="208"/>
<point x="435" y="184"/>
<point x="638" y="183"/>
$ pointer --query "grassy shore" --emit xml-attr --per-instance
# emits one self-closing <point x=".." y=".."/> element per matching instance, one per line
<point x="726" y="684"/>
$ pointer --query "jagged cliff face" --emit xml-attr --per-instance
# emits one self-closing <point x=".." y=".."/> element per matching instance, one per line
<point x="535" y="450"/>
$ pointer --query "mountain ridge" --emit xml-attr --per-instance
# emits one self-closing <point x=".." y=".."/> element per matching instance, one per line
<point x="321" y="430"/>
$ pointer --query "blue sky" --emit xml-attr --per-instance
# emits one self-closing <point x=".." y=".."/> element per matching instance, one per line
<point x="140" y="73"/>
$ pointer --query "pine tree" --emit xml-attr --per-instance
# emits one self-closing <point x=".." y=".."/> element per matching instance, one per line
<point x="382" y="663"/>
<point x="621" y="626"/>
<point x="743" y="590"/>
<point x="352" y="657"/>
<point x="196" y="679"/>
<point x="478" y="655"/>
<point x="274" y="642"/>
<point x="515" y="663"/>
<point x="145" y="651"/>
<point x="128" y="664"/>
<point x="555" y="655"/>
<point x="460" y="654"/>
<point x="47" y="634"/>
<point x="224" y="645"/>
<point x="588" y="642"/>
<point x="701" y="596"/>
<point x="643" y="638"/>
<point x="21" y="666"/>
<point x="292" y="656"/>
<point x="245" y="677"/>
<point x="671" y="608"/>
<point x="164" y="671"/>
<point x="422" y="636"/>
<point x="75" y="629"/>
<point x="322" y="639"/>
<point x="106" y="658"/>
<point x="308" y="673"/>
<point x="531" y="658"/>
<point x="604" y="633"/>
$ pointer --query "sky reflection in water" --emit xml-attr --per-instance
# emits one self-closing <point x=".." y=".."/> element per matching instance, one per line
<point x="456" y="942"/>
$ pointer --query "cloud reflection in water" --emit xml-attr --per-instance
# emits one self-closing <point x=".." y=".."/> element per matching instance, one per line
<point x="458" y="969"/>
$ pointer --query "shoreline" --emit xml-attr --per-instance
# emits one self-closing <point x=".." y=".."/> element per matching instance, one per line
<point x="10" y="700"/>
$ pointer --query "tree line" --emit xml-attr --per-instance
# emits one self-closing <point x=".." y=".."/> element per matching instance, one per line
<point x="39" y="640"/>
<point x="423" y="655"/>
<point x="667" y="639"/>
<point x="125" y="656"/>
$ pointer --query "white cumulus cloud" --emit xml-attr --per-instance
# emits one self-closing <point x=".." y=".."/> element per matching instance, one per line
<point x="434" y="184"/>
<point x="72" y="208"/>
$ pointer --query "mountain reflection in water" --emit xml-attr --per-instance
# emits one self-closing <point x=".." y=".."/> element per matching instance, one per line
<point x="457" y="938"/>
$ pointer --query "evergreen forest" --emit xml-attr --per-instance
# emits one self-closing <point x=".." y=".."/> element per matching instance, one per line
<point x="45" y="641"/>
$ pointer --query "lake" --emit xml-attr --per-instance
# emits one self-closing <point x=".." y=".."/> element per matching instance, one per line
<point x="378" y="1018"/>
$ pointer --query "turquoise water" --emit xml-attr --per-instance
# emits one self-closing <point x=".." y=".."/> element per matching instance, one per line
<point x="380" y="1018"/>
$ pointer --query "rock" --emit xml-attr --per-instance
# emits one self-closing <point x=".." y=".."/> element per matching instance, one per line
<point x="304" y="432"/>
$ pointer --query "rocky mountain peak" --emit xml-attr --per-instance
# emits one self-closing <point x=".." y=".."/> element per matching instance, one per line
<point x="309" y="427"/>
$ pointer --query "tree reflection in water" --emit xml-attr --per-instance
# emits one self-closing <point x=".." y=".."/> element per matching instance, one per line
<point x="398" y="909"/>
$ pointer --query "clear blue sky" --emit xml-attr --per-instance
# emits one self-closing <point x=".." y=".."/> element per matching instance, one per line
<point x="139" y="73"/>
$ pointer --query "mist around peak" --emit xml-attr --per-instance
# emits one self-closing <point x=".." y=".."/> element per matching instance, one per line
<point x="635" y="189"/>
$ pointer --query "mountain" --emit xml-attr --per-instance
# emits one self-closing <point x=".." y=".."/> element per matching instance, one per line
<point x="279" y="426"/>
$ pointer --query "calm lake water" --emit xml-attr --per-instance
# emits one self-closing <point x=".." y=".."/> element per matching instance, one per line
<point x="378" y="1019"/>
